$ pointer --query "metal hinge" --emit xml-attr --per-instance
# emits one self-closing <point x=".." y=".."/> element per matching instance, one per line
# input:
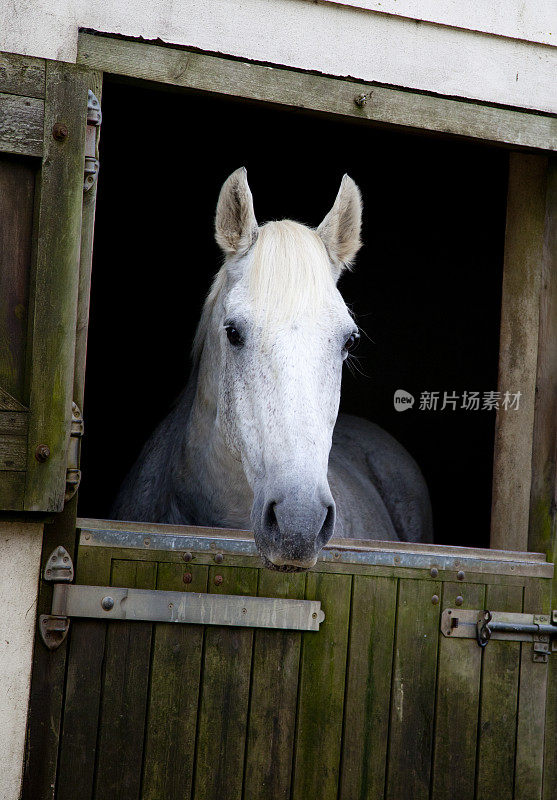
<point x="483" y="626"/>
<point x="73" y="473"/>
<point x="94" y="120"/>
<point x="152" y="605"/>
<point x="59" y="569"/>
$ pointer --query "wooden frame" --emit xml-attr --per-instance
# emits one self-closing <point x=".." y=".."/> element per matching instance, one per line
<point x="56" y="94"/>
<point x="528" y="212"/>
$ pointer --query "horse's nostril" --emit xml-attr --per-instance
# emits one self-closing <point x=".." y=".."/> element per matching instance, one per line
<point x="271" y="522"/>
<point x="328" y="526"/>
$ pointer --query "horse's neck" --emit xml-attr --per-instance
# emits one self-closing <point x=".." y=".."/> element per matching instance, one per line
<point x="217" y="489"/>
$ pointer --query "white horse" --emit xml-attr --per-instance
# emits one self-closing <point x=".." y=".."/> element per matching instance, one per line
<point x="254" y="440"/>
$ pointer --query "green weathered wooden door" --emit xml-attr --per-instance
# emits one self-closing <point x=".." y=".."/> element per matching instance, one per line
<point x="376" y="704"/>
<point x="43" y="118"/>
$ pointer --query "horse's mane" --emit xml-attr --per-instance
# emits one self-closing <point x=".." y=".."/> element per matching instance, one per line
<point x="288" y="273"/>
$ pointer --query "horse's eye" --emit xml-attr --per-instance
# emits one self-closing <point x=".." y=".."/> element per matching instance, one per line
<point x="233" y="334"/>
<point x="351" y="341"/>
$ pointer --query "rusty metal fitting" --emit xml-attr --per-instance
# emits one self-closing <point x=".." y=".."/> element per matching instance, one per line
<point x="42" y="453"/>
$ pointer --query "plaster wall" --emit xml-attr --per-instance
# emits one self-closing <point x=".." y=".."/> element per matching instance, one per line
<point x="20" y="555"/>
<point x="498" y="55"/>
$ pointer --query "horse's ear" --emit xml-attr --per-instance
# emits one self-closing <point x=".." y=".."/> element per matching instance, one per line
<point x="235" y="223"/>
<point x="340" y="230"/>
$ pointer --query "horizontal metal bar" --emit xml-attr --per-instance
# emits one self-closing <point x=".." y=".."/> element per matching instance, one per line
<point x="152" y="605"/>
<point x="387" y="554"/>
<point x="458" y="623"/>
<point x="522" y="627"/>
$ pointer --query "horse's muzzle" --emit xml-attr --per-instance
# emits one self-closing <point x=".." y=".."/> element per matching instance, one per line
<point x="292" y="527"/>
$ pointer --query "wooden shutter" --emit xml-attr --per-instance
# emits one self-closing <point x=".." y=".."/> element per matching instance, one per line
<point x="43" y="117"/>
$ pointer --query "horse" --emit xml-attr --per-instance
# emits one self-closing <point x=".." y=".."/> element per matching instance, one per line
<point x="255" y="440"/>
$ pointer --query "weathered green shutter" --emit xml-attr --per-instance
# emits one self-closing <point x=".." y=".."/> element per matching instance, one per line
<point x="43" y="118"/>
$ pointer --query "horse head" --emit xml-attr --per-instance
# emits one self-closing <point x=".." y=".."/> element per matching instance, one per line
<point x="278" y="332"/>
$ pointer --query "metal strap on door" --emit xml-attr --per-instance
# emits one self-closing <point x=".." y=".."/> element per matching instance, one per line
<point x="152" y="605"/>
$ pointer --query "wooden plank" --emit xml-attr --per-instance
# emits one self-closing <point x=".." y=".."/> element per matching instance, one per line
<point x="223" y="712"/>
<point x="457" y="704"/>
<point x="550" y="751"/>
<point x="174" y="694"/>
<point x="14" y="422"/>
<point x="413" y="691"/>
<point x="48" y="675"/>
<point x="17" y="189"/>
<point x="13" y="452"/>
<point x="22" y="75"/>
<point x="124" y="700"/>
<point x="512" y="468"/>
<point x="321" y="692"/>
<point x="54" y="303"/>
<point x="21" y="125"/>
<point x="12" y="490"/>
<point x="274" y="692"/>
<point x="409" y="110"/>
<point x="543" y="493"/>
<point x="368" y="688"/>
<point x="498" y="705"/>
<point x="532" y="694"/>
<point x="82" y="699"/>
<point x="9" y="403"/>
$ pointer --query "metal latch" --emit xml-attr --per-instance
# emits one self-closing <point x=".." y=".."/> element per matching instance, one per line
<point x="540" y="629"/>
<point x="73" y="473"/>
<point x="94" y="119"/>
<point x="153" y="605"/>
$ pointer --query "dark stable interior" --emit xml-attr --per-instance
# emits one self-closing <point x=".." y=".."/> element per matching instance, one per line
<point x="426" y="288"/>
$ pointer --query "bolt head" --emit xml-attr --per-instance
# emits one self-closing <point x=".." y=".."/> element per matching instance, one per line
<point x="60" y="131"/>
<point x="187" y="556"/>
<point x="219" y="558"/>
<point x="459" y="600"/>
<point x="460" y="575"/>
<point x="361" y="100"/>
<point x="435" y="599"/>
<point x="42" y="453"/>
<point x="218" y="580"/>
<point x="187" y="577"/>
<point x="107" y="603"/>
<point x="434" y="572"/>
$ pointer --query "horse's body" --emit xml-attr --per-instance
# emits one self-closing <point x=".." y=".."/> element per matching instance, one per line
<point x="250" y="443"/>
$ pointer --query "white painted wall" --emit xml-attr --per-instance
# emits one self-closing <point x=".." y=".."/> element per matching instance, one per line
<point x="20" y="554"/>
<point x="518" y="19"/>
<point x="469" y="48"/>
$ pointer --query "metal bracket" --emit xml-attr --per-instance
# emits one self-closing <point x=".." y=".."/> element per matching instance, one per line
<point x="73" y="473"/>
<point x="53" y="630"/>
<point x="59" y="567"/>
<point x="485" y="626"/>
<point x="94" y="120"/>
